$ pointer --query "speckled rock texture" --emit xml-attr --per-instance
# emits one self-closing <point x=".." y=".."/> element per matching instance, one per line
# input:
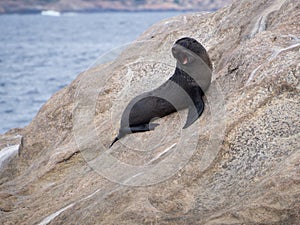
<point x="239" y="164"/>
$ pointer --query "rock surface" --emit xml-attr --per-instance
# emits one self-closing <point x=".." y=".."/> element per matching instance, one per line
<point x="239" y="164"/>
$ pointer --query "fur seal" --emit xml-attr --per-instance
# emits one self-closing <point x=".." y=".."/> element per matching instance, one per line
<point x="184" y="89"/>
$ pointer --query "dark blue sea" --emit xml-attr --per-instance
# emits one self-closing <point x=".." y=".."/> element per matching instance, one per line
<point x="39" y="55"/>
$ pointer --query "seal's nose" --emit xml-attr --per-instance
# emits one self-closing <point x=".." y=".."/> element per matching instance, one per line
<point x="174" y="51"/>
<point x="179" y="54"/>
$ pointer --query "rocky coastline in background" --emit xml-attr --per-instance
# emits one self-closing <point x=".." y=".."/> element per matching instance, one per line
<point x="36" y="6"/>
<point x="243" y="153"/>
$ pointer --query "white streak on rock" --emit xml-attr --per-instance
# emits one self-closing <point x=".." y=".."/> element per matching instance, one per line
<point x="130" y="178"/>
<point x="261" y="23"/>
<point x="49" y="218"/>
<point x="7" y="153"/>
<point x="276" y="53"/>
<point x="91" y="195"/>
<point x="259" y="26"/>
<point x="162" y="153"/>
<point x="253" y="74"/>
<point x="53" y="215"/>
<point x="273" y="56"/>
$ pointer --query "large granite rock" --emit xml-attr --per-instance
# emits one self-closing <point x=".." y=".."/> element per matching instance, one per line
<point x="239" y="164"/>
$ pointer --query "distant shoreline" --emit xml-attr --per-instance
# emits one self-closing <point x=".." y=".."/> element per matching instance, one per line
<point x="34" y="11"/>
<point x="95" y="6"/>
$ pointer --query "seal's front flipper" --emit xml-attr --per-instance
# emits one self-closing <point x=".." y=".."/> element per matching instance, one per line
<point x="195" y="111"/>
<point x="114" y="141"/>
<point x="134" y="129"/>
<point x="143" y="127"/>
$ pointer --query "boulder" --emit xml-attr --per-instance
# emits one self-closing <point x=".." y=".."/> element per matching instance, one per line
<point x="239" y="164"/>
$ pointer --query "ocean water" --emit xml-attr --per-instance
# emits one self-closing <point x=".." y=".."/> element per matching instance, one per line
<point x="39" y="55"/>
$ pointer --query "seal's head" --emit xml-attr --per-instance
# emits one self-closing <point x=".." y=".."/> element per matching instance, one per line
<point x="186" y="50"/>
<point x="192" y="58"/>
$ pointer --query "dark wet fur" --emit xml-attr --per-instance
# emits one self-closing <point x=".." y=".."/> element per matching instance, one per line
<point x="143" y="111"/>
